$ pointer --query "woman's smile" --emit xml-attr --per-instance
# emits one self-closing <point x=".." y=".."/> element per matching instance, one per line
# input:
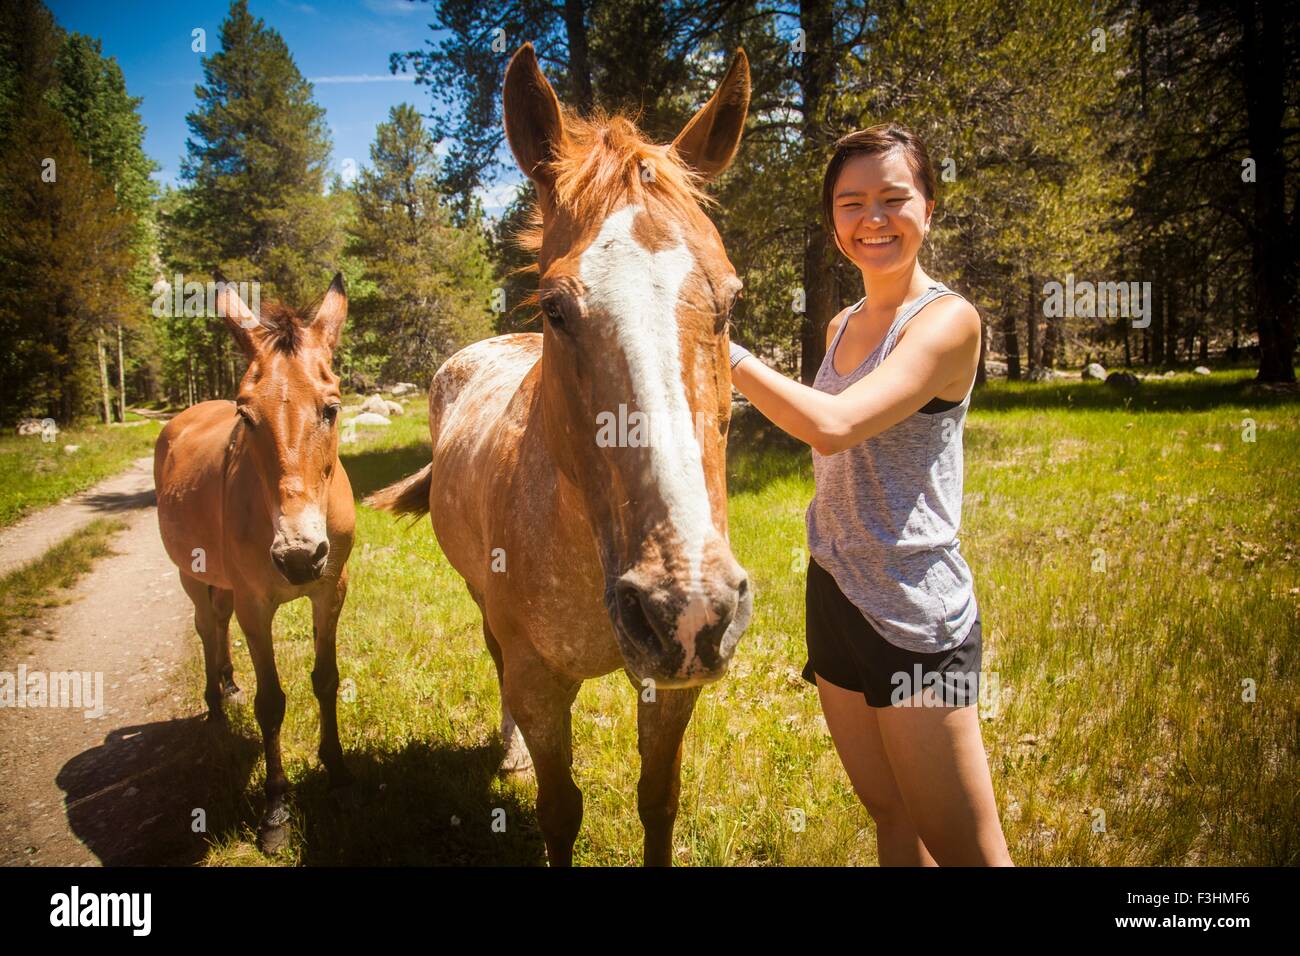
<point x="877" y="240"/>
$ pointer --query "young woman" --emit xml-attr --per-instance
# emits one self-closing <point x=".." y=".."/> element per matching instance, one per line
<point x="893" y="628"/>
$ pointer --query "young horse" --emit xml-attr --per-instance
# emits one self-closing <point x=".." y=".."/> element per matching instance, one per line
<point x="256" y="510"/>
<point x="589" y="551"/>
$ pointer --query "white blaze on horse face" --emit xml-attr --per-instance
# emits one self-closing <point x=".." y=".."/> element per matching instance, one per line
<point x="638" y="291"/>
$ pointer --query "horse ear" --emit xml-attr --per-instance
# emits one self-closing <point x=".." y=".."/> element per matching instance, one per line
<point x="532" y="118"/>
<point x="239" y="318"/>
<point x="331" y="313"/>
<point x="708" y="142"/>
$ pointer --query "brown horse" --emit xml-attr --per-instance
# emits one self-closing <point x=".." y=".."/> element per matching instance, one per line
<point x="588" y="544"/>
<point x="256" y="510"/>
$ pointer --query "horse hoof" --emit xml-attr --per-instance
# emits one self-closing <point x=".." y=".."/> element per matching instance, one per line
<point x="231" y="692"/>
<point x="273" y="835"/>
<point x="517" y="760"/>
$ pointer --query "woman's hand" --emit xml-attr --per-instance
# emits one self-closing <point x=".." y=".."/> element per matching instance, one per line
<point x="940" y="348"/>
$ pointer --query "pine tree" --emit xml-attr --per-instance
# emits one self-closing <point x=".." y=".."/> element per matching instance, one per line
<point x="255" y="206"/>
<point x="432" y="280"/>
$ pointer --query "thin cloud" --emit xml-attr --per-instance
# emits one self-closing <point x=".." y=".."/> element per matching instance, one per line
<point x="367" y="78"/>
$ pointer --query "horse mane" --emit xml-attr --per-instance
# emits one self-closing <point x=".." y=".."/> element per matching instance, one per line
<point x="282" y="327"/>
<point x="599" y="164"/>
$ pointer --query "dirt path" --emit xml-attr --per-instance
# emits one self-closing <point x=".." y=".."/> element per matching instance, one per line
<point x="81" y="790"/>
<point x="128" y="492"/>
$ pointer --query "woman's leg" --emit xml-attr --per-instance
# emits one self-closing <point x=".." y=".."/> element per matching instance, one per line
<point x="937" y="756"/>
<point x="853" y="728"/>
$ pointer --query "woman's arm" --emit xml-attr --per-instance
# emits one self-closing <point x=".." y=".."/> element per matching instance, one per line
<point x="938" y="349"/>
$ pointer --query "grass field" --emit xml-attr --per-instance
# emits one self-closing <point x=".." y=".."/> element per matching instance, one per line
<point x="35" y="473"/>
<point x="1134" y="561"/>
<point x="42" y="584"/>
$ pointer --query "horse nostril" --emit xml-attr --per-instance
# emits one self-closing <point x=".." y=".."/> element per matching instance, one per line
<point x="322" y="549"/>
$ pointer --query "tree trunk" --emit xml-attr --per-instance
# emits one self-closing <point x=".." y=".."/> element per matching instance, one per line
<point x="816" y="79"/>
<point x="575" y="28"/>
<point x="1158" y="319"/>
<point x="1031" y="342"/>
<point x="1272" y="237"/>
<point x="1010" y="340"/>
<point x="121" y="377"/>
<point x="982" y="373"/>
<point x="103" y="374"/>
<point x="1171" y="328"/>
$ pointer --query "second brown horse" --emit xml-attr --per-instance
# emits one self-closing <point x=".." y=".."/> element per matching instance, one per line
<point x="256" y="510"/>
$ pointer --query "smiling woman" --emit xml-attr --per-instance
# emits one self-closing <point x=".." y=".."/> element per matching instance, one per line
<point x="893" y="628"/>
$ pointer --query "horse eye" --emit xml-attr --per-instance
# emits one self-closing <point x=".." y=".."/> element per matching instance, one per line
<point x="553" y="312"/>
<point x="331" y="413"/>
<point x="245" y="415"/>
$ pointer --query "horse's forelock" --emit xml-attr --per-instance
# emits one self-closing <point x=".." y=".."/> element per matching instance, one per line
<point x="281" y="328"/>
<point x="603" y="163"/>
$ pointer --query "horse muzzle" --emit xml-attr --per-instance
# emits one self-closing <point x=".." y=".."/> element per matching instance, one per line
<point x="680" y="639"/>
<point x="302" y="564"/>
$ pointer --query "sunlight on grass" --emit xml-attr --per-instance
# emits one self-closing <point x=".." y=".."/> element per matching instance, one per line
<point x="1135" y="568"/>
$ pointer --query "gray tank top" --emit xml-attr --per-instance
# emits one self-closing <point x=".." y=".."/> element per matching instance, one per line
<point x="883" y="520"/>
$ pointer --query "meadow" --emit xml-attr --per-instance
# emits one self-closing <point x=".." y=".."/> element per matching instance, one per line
<point x="1134" y="562"/>
<point x="35" y="473"/>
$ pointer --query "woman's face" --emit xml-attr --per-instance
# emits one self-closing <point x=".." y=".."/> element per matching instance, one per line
<point x="881" y="214"/>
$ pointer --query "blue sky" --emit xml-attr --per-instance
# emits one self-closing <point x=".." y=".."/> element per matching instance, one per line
<point x="341" y="46"/>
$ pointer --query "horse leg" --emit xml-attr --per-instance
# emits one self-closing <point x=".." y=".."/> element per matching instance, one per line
<point x="540" y="700"/>
<point x="206" y="623"/>
<point x="255" y="618"/>
<point x="223" y="605"/>
<point x="516" y="759"/>
<point x="660" y="725"/>
<point x="326" y="603"/>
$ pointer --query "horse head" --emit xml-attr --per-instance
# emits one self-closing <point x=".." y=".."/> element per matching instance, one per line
<point x="636" y="291"/>
<point x="288" y="407"/>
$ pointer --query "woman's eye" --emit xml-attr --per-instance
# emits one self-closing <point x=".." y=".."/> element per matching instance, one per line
<point x="899" y="201"/>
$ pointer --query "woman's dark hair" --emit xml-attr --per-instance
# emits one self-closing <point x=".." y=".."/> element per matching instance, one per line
<point x="875" y="141"/>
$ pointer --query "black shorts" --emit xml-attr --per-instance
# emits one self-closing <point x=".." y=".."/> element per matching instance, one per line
<point x="849" y="653"/>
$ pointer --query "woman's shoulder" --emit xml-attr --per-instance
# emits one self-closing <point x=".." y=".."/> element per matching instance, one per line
<point x="833" y="326"/>
<point x="950" y="315"/>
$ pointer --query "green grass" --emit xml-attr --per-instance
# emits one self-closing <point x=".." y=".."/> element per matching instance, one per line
<point x="34" y="588"/>
<point x="35" y="473"/>
<point x="1121" y="690"/>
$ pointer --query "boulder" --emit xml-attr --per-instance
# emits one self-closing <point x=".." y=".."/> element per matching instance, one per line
<point x="394" y="409"/>
<point x="376" y="404"/>
<point x="70" y="449"/>
<point x="403" y="388"/>
<point x="1122" y="380"/>
<point x="1201" y="370"/>
<point x="1169" y="374"/>
<point x="368" y="418"/>
<point x="1040" y="374"/>
<point x="37" y="426"/>
<point x="1094" y="372"/>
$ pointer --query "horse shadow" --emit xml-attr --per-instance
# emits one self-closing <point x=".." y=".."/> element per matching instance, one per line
<point x="144" y="795"/>
<point x="116" y="502"/>
<point x="138" y="799"/>
<point x="423" y="804"/>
